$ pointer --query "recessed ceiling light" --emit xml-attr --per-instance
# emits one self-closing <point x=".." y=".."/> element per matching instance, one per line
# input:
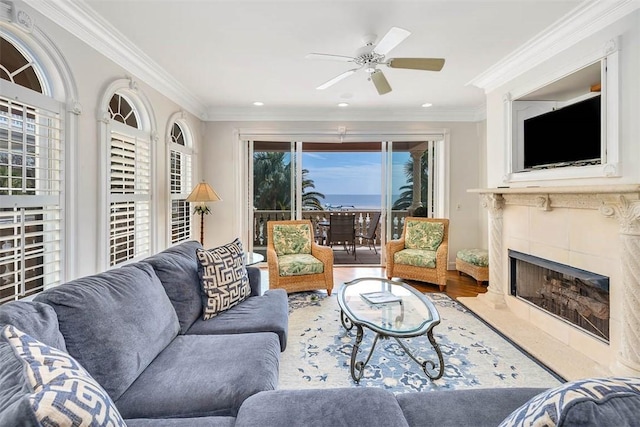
<point x="343" y="104"/>
<point x="258" y="104"/>
<point x="427" y="104"/>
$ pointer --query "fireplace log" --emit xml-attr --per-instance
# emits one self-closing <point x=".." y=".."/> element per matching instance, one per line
<point x="585" y="305"/>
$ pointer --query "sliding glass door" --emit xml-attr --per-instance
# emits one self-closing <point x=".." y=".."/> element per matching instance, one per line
<point x="375" y="181"/>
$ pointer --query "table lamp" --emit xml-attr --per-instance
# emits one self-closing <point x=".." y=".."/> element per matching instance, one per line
<point x="202" y="193"/>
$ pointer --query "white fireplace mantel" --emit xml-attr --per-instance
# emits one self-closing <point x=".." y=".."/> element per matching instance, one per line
<point x="620" y="202"/>
<point x="575" y="197"/>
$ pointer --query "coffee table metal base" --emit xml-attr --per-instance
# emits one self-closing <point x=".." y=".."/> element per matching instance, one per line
<point x="357" y="367"/>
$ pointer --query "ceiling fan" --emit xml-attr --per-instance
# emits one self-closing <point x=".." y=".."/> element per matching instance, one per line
<point x="371" y="55"/>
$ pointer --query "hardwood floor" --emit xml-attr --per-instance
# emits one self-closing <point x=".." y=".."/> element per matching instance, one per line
<point x="457" y="286"/>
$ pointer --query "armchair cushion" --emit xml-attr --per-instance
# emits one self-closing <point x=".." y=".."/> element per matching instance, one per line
<point x="47" y="386"/>
<point x="292" y="239"/>
<point x="299" y="264"/>
<point x="416" y="257"/>
<point x="424" y="235"/>
<point x="225" y="282"/>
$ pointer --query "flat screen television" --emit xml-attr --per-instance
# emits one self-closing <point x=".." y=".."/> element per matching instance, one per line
<point x="567" y="136"/>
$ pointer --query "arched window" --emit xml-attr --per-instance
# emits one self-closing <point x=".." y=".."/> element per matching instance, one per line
<point x="128" y="174"/>
<point x="31" y="177"/>
<point x="180" y="154"/>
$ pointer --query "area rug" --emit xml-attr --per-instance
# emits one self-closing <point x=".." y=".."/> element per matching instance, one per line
<point x="319" y="352"/>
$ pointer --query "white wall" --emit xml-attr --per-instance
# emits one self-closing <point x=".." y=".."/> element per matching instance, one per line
<point x="220" y="167"/>
<point x="93" y="73"/>
<point x="217" y="158"/>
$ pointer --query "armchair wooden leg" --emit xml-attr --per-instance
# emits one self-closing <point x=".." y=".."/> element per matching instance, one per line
<point x="441" y="288"/>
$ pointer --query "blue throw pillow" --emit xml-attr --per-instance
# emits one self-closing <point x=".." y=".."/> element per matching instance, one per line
<point x="588" y="402"/>
<point x="225" y="282"/>
<point x="50" y="388"/>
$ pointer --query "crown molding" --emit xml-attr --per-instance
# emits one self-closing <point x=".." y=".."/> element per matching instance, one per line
<point x="245" y="114"/>
<point x="581" y="22"/>
<point x="83" y="22"/>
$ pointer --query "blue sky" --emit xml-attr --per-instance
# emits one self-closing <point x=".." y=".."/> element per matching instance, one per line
<point x="351" y="173"/>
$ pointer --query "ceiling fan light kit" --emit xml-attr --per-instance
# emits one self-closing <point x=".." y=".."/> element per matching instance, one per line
<point x="370" y="56"/>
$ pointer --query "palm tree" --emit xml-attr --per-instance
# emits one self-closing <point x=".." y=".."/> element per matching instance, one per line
<point x="406" y="195"/>
<point x="272" y="183"/>
<point x="310" y="199"/>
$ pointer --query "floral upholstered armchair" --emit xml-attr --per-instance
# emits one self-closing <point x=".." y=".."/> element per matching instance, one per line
<point x="296" y="262"/>
<point x="422" y="251"/>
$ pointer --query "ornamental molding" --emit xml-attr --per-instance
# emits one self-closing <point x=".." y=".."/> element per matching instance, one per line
<point x="548" y="198"/>
<point x="626" y="211"/>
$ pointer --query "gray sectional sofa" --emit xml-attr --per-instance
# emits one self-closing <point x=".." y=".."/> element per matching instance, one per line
<point x="138" y="331"/>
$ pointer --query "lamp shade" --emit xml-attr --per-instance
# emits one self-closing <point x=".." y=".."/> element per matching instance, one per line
<point x="203" y="193"/>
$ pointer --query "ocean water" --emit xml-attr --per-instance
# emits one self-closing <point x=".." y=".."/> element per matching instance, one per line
<point x="352" y="201"/>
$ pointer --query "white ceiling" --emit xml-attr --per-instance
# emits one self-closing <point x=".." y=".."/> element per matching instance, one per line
<point x="228" y="54"/>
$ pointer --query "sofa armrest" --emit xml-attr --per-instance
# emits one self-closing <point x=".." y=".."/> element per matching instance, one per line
<point x="255" y="281"/>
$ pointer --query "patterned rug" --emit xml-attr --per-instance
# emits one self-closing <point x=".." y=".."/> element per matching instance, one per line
<point x="319" y="352"/>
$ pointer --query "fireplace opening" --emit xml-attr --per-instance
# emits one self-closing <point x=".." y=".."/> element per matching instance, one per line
<point x="577" y="296"/>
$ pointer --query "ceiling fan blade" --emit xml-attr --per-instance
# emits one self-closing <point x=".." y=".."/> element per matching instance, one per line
<point x="428" y="64"/>
<point x="329" y="57"/>
<point x="390" y="40"/>
<point x="380" y="82"/>
<point x="337" y="78"/>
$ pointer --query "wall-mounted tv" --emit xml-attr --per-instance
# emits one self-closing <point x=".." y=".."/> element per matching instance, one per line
<point x="564" y="137"/>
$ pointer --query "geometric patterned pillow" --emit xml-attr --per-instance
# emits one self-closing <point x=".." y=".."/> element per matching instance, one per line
<point x="423" y="235"/>
<point x="225" y="282"/>
<point x="62" y="392"/>
<point x="292" y="239"/>
<point x="588" y="402"/>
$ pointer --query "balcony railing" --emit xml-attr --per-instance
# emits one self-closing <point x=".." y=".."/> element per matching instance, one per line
<point x="363" y="217"/>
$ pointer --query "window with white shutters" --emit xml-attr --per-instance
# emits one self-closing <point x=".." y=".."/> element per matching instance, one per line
<point x="180" y="185"/>
<point x="129" y="184"/>
<point x="31" y="183"/>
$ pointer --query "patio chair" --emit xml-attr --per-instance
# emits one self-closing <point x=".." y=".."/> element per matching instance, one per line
<point x="296" y="262"/>
<point x="421" y="253"/>
<point x="342" y="229"/>
<point x="370" y="234"/>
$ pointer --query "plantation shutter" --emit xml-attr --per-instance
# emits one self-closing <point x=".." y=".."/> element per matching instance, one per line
<point x="31" y="198"/>
<point x="180" y="173"/>
<point x="130" y="195"/>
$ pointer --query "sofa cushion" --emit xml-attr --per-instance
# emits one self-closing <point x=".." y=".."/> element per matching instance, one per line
<point x="177" y="269"/>
<point x="592" y="402"/>
<point x="265" y="313"/>
<point x="198" y="375"/>
<point x="225" y="282"/>
<point x="299" y="264"/>
<point x="291" y="239"/>
<point x="423" y="235"/>
<point x="114" y="323"/>
<point x="47" y="387"/>
<point x="365" y="406"/>
<point x="416" y="257"/>
<point x="183" y="422"/>
<point x="479" y="407"/>
<point x="35" y="319"/>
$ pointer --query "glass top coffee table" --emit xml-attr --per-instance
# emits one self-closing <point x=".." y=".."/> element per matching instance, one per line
<point x="390" y="309"/>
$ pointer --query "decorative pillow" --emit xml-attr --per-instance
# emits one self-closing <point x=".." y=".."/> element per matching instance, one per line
<point x="593" y="402"/>
<point x="225" y="282"/>
<point x="57" y="391"/>
<point x="292" y="239"/>
<point x="423" y="235"/>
